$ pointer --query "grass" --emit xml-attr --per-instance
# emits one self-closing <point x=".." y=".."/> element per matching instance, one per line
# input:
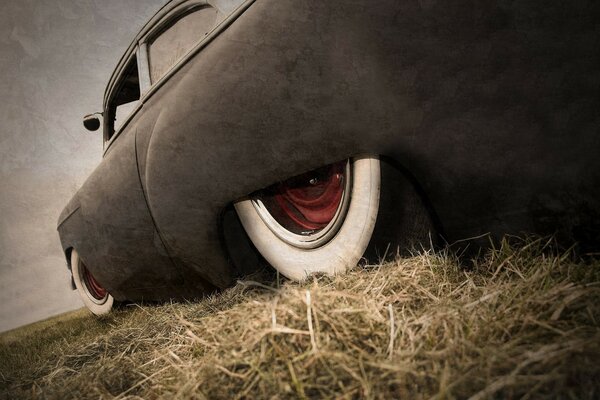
<point x="520" y="322"/>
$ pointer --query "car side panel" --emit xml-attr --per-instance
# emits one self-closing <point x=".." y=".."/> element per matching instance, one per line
<point x="493" y="109"/>
<point x="466" y="99"/>
<point x="113" y="232"/>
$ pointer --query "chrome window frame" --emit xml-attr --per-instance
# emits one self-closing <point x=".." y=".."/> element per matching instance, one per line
<point x="106" y="115"/>
<point x="139" y="48"/>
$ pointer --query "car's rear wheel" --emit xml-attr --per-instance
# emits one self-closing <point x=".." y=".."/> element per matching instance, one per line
<point x="318" y="222"/>
<point x="95" y="297"/>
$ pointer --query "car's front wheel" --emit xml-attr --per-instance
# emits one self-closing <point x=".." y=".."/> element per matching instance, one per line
<point x="95" y="297"/>
<point x="318" y="222"/>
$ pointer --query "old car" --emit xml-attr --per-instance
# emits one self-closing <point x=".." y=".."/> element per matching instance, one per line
<point x="314" y="133"/>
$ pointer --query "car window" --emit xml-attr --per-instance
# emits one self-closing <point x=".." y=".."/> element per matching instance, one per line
<point x="178" y="39"/>
<point x="124" y="100"/>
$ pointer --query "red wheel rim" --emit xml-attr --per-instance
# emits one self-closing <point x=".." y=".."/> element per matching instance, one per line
<point x="309" y="202"/>
<point x="94" y="288"/>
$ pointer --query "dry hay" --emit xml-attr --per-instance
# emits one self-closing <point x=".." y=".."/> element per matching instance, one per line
<point x="517" y="323"/>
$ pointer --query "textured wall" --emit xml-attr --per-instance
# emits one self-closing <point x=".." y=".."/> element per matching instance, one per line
<point x="55" y="59"/>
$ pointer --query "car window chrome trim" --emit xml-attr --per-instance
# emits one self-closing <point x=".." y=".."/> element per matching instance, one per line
<point x="106" y="143"/>
<point x="174" y="16"/>
<point x="166" y="13"/>
<point x="160" y="14"/>
<point x="143" y="69"/>
<point x="177" y="11"/>
<point x="198" y="47"/>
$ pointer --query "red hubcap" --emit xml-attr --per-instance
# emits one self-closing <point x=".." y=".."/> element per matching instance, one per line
<point x="95" y="289"/>
<point x="307" y="202"/>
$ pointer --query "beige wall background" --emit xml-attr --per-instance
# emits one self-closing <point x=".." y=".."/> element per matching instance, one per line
<point x="55" y="60"/>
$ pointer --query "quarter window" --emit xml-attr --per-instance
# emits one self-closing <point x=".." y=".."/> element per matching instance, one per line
<point x="178" y="39"/>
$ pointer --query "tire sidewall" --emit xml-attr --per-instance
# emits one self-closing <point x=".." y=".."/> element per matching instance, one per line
<point x="96" y="308"/>
<point x="345" y="249"/>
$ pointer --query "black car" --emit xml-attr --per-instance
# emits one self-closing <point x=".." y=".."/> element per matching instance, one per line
<point x="310" y="132"/>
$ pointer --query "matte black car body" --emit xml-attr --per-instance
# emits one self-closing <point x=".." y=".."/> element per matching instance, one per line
<point x="492" y="108"/>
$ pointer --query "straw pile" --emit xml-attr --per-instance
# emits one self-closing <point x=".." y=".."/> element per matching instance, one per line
<point x="518" y="322"/>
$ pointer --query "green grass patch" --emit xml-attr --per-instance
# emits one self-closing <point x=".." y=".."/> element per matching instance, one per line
<point x="519" y="322"/>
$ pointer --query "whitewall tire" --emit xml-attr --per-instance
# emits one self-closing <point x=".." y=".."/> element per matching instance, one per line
<point x="343" y="228"/>
<point x="94" y="296"/>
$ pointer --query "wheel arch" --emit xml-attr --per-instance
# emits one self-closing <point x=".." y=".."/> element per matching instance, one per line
<point x="406" y="220"/>
<point x="419" y="190"/>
